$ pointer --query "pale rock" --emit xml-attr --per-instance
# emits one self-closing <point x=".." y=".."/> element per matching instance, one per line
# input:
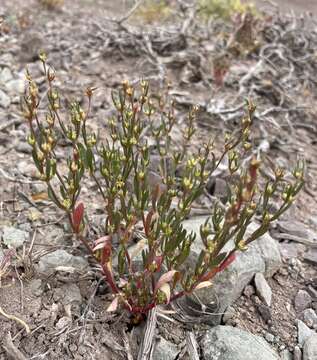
<point x="61" y="258"/>
<point x="263" y="289"/>
<point x="310" y="317"/>
<point x="165" y="350"/>
<point x="310" y="348"/>
<point x="302" y="300"/>
<point x="231" y="343"/>
<point x="303" y="333"/>
<point x="14" y="238"/>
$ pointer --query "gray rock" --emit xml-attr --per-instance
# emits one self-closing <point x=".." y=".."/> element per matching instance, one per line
<point x="49" y="262"/>
<point x="218" y="187"/>
<point x="55" y="235"/>
<point x="265" y="312"/>
<point x="310" y="317"/>
<point x="5" y="100"/>
<point x="31" y="44"/>
<point x="310" y="348"/>
<point x="302" y="300"/>
<point x="262" y="256"/>
<point x="229" y="343"/>
<point x="286" y="355"/>
<point x="5" y="75"/>
<point x="263" y="289"/>
<point x="36" y="287"/>
<point x="296" y="228"/>
<point x="311" y="256"/>
<point x="228" y="315"/>
<point x="38" y="187"/>
<point x="63" y="322"/>
<point x="291" y="250"/>
<point x="14" y="238"/>
<point x="68" y="294"/>
<point x="249" y="291"/>
<point x="27" y="169"/>
<point x="165" y="350"/>
<point x="303" y="333"/>
<point x="23" y="147"/>
<point x="16" y="86"/>
<point x="297" y="353"/>
<point x="269" y="337"/>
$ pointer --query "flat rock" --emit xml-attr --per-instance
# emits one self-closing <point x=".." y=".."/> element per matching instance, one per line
<point x="310" y="348"/>
<point x="291" y="250"/>
<point x="230" y="343"/>
<point x="263" y="289"/>
<point x="310" y="317"/>
<point x="16" y="86"/>
<point x="302" y="300"/>
<point x="304" y="332"/>
<point x="49" y="262"/>
<point x="296" y="228"/>
<point x="14" y="238"/>
<point x="311" y="256"/>
<point x="262" y="256"/>
<point x="165" y="350"/>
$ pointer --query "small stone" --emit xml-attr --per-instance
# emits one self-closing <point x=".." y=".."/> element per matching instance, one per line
<point x="16" y="87"/>
<point x="14" y="238"/>
<point x="5" y="100"/>
<point x="228" y="315"/>
<point x="5" y="75"/>
<point x="229" y="343"/>
<point x="38" y="187"/>
<point x="286" y="355"/>
<point x="23" y="147"/>
<point x="63" y="322"/>
<point x="265" y="312"/>
<point x="296" y="228"/>
<point x="249" y="291"/>
<point x="291" y="250"/>
<point x="311" y="256"/>
<point x="31" y="45"/>
<point x="218" y="187"/>
<point x="310" y="348"/>
<point x="297" y="353"/>
<point x="302" y="300"/>
<point x="68" y="294"/>
<point x="165" y="350"/>
<point x="263" y="289"/>
<point x="269" y="337"/>
<point x="312" y="292"/>
<point x="27" y="169"/>
<point x="310" y="317"/>
<point x="36" y="287"/>
<point x="304" y="332"/>
<point x="60" y="258"/>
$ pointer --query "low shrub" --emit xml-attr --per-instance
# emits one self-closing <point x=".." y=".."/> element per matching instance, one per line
<point x="155" y="210"/>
